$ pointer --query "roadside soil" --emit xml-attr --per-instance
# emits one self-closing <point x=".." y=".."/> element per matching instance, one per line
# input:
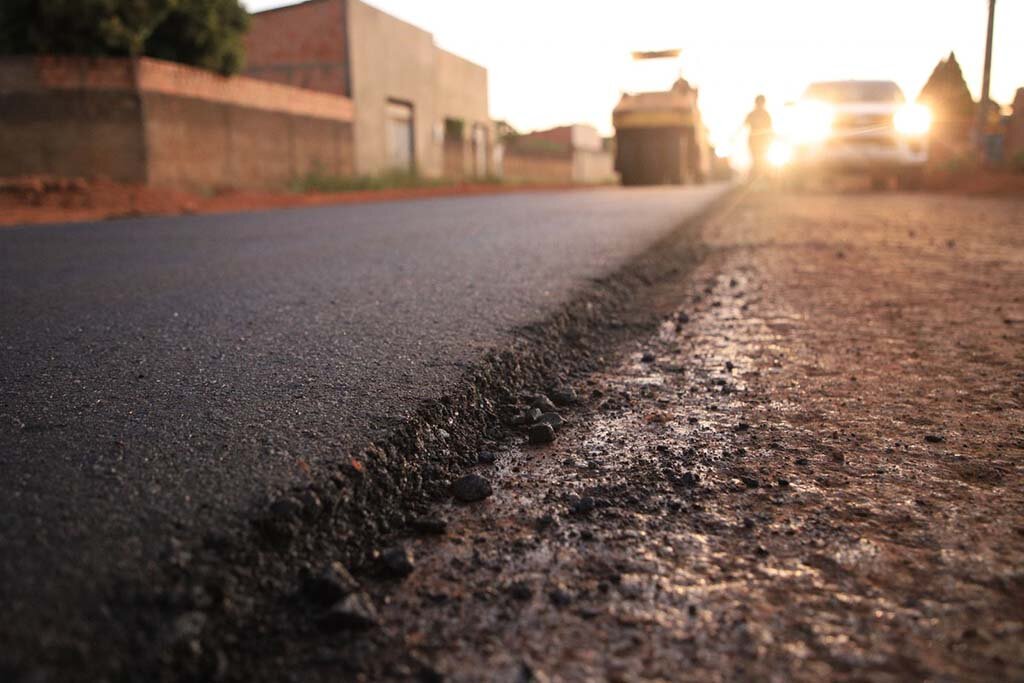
<point x="38" y="200"/>
<point x="974" y="181"/>
<point x="812" y="471"/>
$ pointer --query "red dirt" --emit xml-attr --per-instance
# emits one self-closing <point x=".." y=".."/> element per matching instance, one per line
<point x="38" y="200"/>
<point x="817" y="475"/>
<point x="976" y="182"/>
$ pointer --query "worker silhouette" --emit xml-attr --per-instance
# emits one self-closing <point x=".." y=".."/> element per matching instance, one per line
<point x="759" y="121"/>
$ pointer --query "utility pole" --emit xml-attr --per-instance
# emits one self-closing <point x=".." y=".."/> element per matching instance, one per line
<point x="981" y="122"/>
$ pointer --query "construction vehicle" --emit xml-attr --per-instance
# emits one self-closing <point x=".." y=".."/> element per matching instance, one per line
<point x="660" y="139"/>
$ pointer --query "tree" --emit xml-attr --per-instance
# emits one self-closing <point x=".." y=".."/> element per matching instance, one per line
<point x="205" y="33"/>
<point x="946" y="92"/>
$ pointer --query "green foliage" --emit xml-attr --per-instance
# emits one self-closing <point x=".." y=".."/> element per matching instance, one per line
<point x="205" y="33"/>
<point x="318" y="181"/>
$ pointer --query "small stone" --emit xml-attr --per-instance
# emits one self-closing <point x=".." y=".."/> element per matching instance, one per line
<point x="564" y="396"/>
<point x="285" y="509"/>
<point x="553" y="419"/>
<point x="472" y="488"/>
<point x="682" y="318"/>
<point x="742" y="427"/>
<point x="397" y="562"/>
<point x="689" y="479"/>
<point x="312" y="506"/>
<point x="188" y="626"/>
<point x="332" y="584"/>
<point x="541" y="433"/>
<point x="430" y="526"/>
<point x="520" y="590"/>
<point x="648" y="357"/>
<point x="354" y="612"/>
<point x="543" y="404"/>
<point x="532" y="415"/>
<point x="486" y="458"/>
<point x="934" y="438"/>
<point x="281" y="522"/>
<point x="583" y="506"/>
<point x="545" y="521"/>
<point x="560" y="597"/>
<point x="729" y="366"/>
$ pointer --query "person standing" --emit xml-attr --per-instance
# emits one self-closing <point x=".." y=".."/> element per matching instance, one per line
<point x="759" y="123"/>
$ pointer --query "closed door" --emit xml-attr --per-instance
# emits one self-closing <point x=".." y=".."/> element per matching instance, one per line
<point x="399" y="136"/>
<point x="479" y="150"/>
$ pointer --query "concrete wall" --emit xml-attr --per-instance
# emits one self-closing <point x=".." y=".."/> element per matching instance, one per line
<point x="391" y="60"/>
<point x="564" y="154"/>
<point x="591" y="167"/>
<point x="164" y="124"/>
<point x="60" y="118"/>
<point x="462" y="94"/>
<point x="525" y="167"/>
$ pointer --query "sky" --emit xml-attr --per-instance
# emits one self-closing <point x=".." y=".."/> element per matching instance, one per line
<point x="553" y="62"/>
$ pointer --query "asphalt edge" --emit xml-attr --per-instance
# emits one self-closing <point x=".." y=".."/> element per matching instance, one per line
<point x="205" y="613"/>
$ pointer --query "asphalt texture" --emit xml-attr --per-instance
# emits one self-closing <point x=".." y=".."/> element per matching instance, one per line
<point x="160" y="376"/>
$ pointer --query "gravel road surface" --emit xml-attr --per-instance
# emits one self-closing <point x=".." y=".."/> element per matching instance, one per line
<point x="814" y="470"/>
<point x="159" y="376"/>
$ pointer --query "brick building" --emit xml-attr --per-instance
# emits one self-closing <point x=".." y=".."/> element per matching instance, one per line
<point x="417" y="107"/>
<point x="566" y="154"/>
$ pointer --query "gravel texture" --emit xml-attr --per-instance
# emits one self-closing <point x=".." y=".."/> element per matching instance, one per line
<point x="764" y="502"/>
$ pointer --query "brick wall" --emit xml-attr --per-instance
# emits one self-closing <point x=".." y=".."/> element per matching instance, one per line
<point x="165" y="124"/>
<point x="518" y="166"/>
<point x="302" y="45"/>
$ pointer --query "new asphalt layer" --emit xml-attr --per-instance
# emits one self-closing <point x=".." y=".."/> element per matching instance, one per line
<point x="158" y="376"/>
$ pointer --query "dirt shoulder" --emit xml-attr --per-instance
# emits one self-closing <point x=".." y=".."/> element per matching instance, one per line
<point x="812" y="471"/>
<point x="33" y="201"/>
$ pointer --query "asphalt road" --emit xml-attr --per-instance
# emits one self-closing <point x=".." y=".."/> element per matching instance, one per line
<point x="159" y="375"/>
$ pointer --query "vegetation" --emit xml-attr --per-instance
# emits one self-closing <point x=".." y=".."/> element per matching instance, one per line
<point x="946" y="92"/>
<point x="203" y="33"/>
<point x="318" y="181"/>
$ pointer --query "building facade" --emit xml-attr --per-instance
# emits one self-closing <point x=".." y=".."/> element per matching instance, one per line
<point x="418" y="108"/>
<point x="575" y="154"/>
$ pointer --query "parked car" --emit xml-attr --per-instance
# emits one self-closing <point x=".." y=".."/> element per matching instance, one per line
<point x="854" y="127"/>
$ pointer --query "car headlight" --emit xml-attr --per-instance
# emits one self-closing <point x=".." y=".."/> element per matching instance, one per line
<point x="779" y="153"/>
<point x="811" y="121"/>
<point x="912" y="120"/>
